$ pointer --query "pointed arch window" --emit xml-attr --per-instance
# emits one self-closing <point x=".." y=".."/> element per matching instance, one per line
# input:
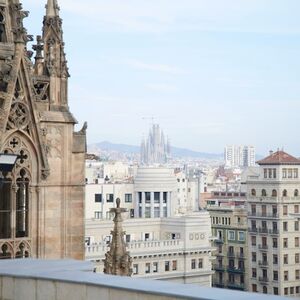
<point x="2" y="26"/>
<point x="5" y="207"/>
<point x="22" y="201"/>
<point x="296" y="193"/>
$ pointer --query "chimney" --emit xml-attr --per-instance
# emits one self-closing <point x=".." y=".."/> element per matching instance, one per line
<point x="271" y="152"/>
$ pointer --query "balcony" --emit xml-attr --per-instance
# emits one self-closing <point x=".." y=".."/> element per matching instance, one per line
<point x="231" y="254"/>
<point x="263" y="215"/>
<point x="263" y="247"/>
<point x="219" y="268"/>
<point x="263" y="279"/>
<point x="219" y="284"/>
<point x="274" y="231"/>
<point x="263" y="230"/>
<point x="241" y="256"/>
<point x="235" y="270"/>
<point x="219" y="241"/>
<point x="263" y="263"/>
<point x="253" y="229"/>
<point x="235" y="286"/>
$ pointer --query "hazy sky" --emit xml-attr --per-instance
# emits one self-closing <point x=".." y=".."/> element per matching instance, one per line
<point x="211" y="72"/>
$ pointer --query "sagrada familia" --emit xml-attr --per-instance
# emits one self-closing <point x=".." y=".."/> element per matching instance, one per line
<point x="42" y="199"/>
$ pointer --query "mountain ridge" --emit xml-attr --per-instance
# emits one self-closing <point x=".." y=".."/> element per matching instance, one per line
<point x="175" y="151"/>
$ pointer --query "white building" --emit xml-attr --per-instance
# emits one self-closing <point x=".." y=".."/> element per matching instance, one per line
<point x="175" y="249"/>
<point x="273" y="221"/>
<point x="239" y="156"/>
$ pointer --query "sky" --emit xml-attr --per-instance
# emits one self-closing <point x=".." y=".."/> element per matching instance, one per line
<point x="210" y="72"/>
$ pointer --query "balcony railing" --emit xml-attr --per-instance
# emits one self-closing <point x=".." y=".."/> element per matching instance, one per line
<point x="241" y="255"/>
<point x="263" y="230"/>
<point x="263" y="247"/>
<point x="219" y="241"/>
<point x="231" y="254"/>
<point x="263" y="263"/>
<point x="253" y="229"/>
<point x="263" y="279"/>
<point x="219" y="268"/>
<point x="263" y="215"/>
<point x="274" y="231"/>
<point x="235" y="270"/>
<point x="235" y="285"/>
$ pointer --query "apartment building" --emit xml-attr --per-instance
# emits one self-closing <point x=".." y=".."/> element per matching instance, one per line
<point x="273" y="221"/>
<point x="229" y="227"/>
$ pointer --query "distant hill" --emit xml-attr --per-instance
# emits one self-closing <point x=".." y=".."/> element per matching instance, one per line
<point x="176" y="152"/>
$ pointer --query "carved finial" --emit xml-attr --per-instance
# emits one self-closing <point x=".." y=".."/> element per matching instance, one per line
<point x="39" y="47"/>
<point x="117" y="260"/>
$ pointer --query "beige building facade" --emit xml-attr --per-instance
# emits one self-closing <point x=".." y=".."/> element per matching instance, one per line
<point x="42" y="199"/>
<point x="273" y="221"/>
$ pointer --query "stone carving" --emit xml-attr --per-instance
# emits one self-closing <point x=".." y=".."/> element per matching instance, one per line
<point x="54" y="138"/>
<point x="5" y="68"/>
<point x="117" y="260"/>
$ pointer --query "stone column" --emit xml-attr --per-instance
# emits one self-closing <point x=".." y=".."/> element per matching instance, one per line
<point x="169" y="194"/>
<point x="161" y="204"/>
<point x="152" y="205"/>
<point x="136" y="205"/>
<point x="143" y="204"/>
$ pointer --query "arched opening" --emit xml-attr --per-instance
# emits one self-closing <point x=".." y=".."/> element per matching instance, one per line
<point x="22" y="251"/>
<point x="253" y="192"/>
<point x="264" y="193"/>
<point x="5" y="252"/>
<point x="296" y="193"/>
<point x="265" y="289"/>
<point x="284" y="193"/>
<point x="274" y="193"/>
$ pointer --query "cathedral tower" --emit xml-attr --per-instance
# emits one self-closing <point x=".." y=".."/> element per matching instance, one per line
<point x="42" y="200"/>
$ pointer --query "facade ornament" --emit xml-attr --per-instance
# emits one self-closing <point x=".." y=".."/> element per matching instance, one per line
<point x="117" y="260"/>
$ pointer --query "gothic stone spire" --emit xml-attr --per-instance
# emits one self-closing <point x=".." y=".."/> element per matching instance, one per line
<point x="52" y="8"/>
<point x="117" y="260"/>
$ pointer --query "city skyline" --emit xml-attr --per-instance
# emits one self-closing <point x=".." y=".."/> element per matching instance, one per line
<point x="237" y="66"/>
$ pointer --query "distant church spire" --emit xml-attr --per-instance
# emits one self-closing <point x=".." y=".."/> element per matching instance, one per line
<point x="52" y="8"/>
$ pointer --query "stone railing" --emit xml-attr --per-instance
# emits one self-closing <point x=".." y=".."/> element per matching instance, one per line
<point x="137" y="247"/>
<point x="74" y="280"/>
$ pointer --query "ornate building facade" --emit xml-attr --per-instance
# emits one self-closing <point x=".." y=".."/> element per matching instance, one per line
<point x="42" y="200"/>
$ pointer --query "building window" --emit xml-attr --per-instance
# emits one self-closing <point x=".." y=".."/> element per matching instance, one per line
<point x="265" y="173"/>
<point x="290" y="173"/>
<point x="265" y="290"/>
<point x="242" y="236"/>
<point x="285" y="242"/>
<point x="165" y="196"/>
<point x="156" y="212"/>
<point x="156" y="197"/>
<point x="274" y="193"/>
<point x="291" y="290"/>
<point x="147" y="268"/>
<point x="231" y="235"/>
<point x="165" y="212"/>
<point x="253" y="209"/>
<point x="275" y="243"/>
<point x="127" y="238"/>
<point x="285" y="259"/>
<point x="155" y="267"/>
<point x="264" y="193"/>
<point x="295" y="173"/>
<point x="135" y="268"/>
<point x="253" y="192"/>
<point x="109" y="197"/>
<point x="147" y="197"/>
<point x="140" y="196"/>
<point x="253" y="240"/>
<point x="284" y="173"/>
<point x="167" y="266"/>
<point x="285" y="210"/>
<point x="286" y="275"/>
<point x="254" y="274"/>
<point x="193" y="264"/>
<point x="275" y="275"/>
<point x="147" y="236"/>
<point x="296" y="209"/>
<point x="284" y="193"/>
<point x="296" y="241"/>
<point x="98" y="198"/>
<point x="254" y="288"/>
<point x="285" y="226"/>
<point x="297" y="258"/>
<point x="296" y="193"/>
<point x="275" y="290"/>
<point x="131" y="213"/>
<point x="174" y="265"/>
<point x="98" y="215"/>
<point x="147" y="212"/>
<point x="286" y="291"/>
<point x="128" y="198"/>
<point x="297" y="274"/>
<point x="296" y="225"/>
<point x="200" y="263"/>
<point x="275" y="259"/>
<point x="254" y="256"/>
